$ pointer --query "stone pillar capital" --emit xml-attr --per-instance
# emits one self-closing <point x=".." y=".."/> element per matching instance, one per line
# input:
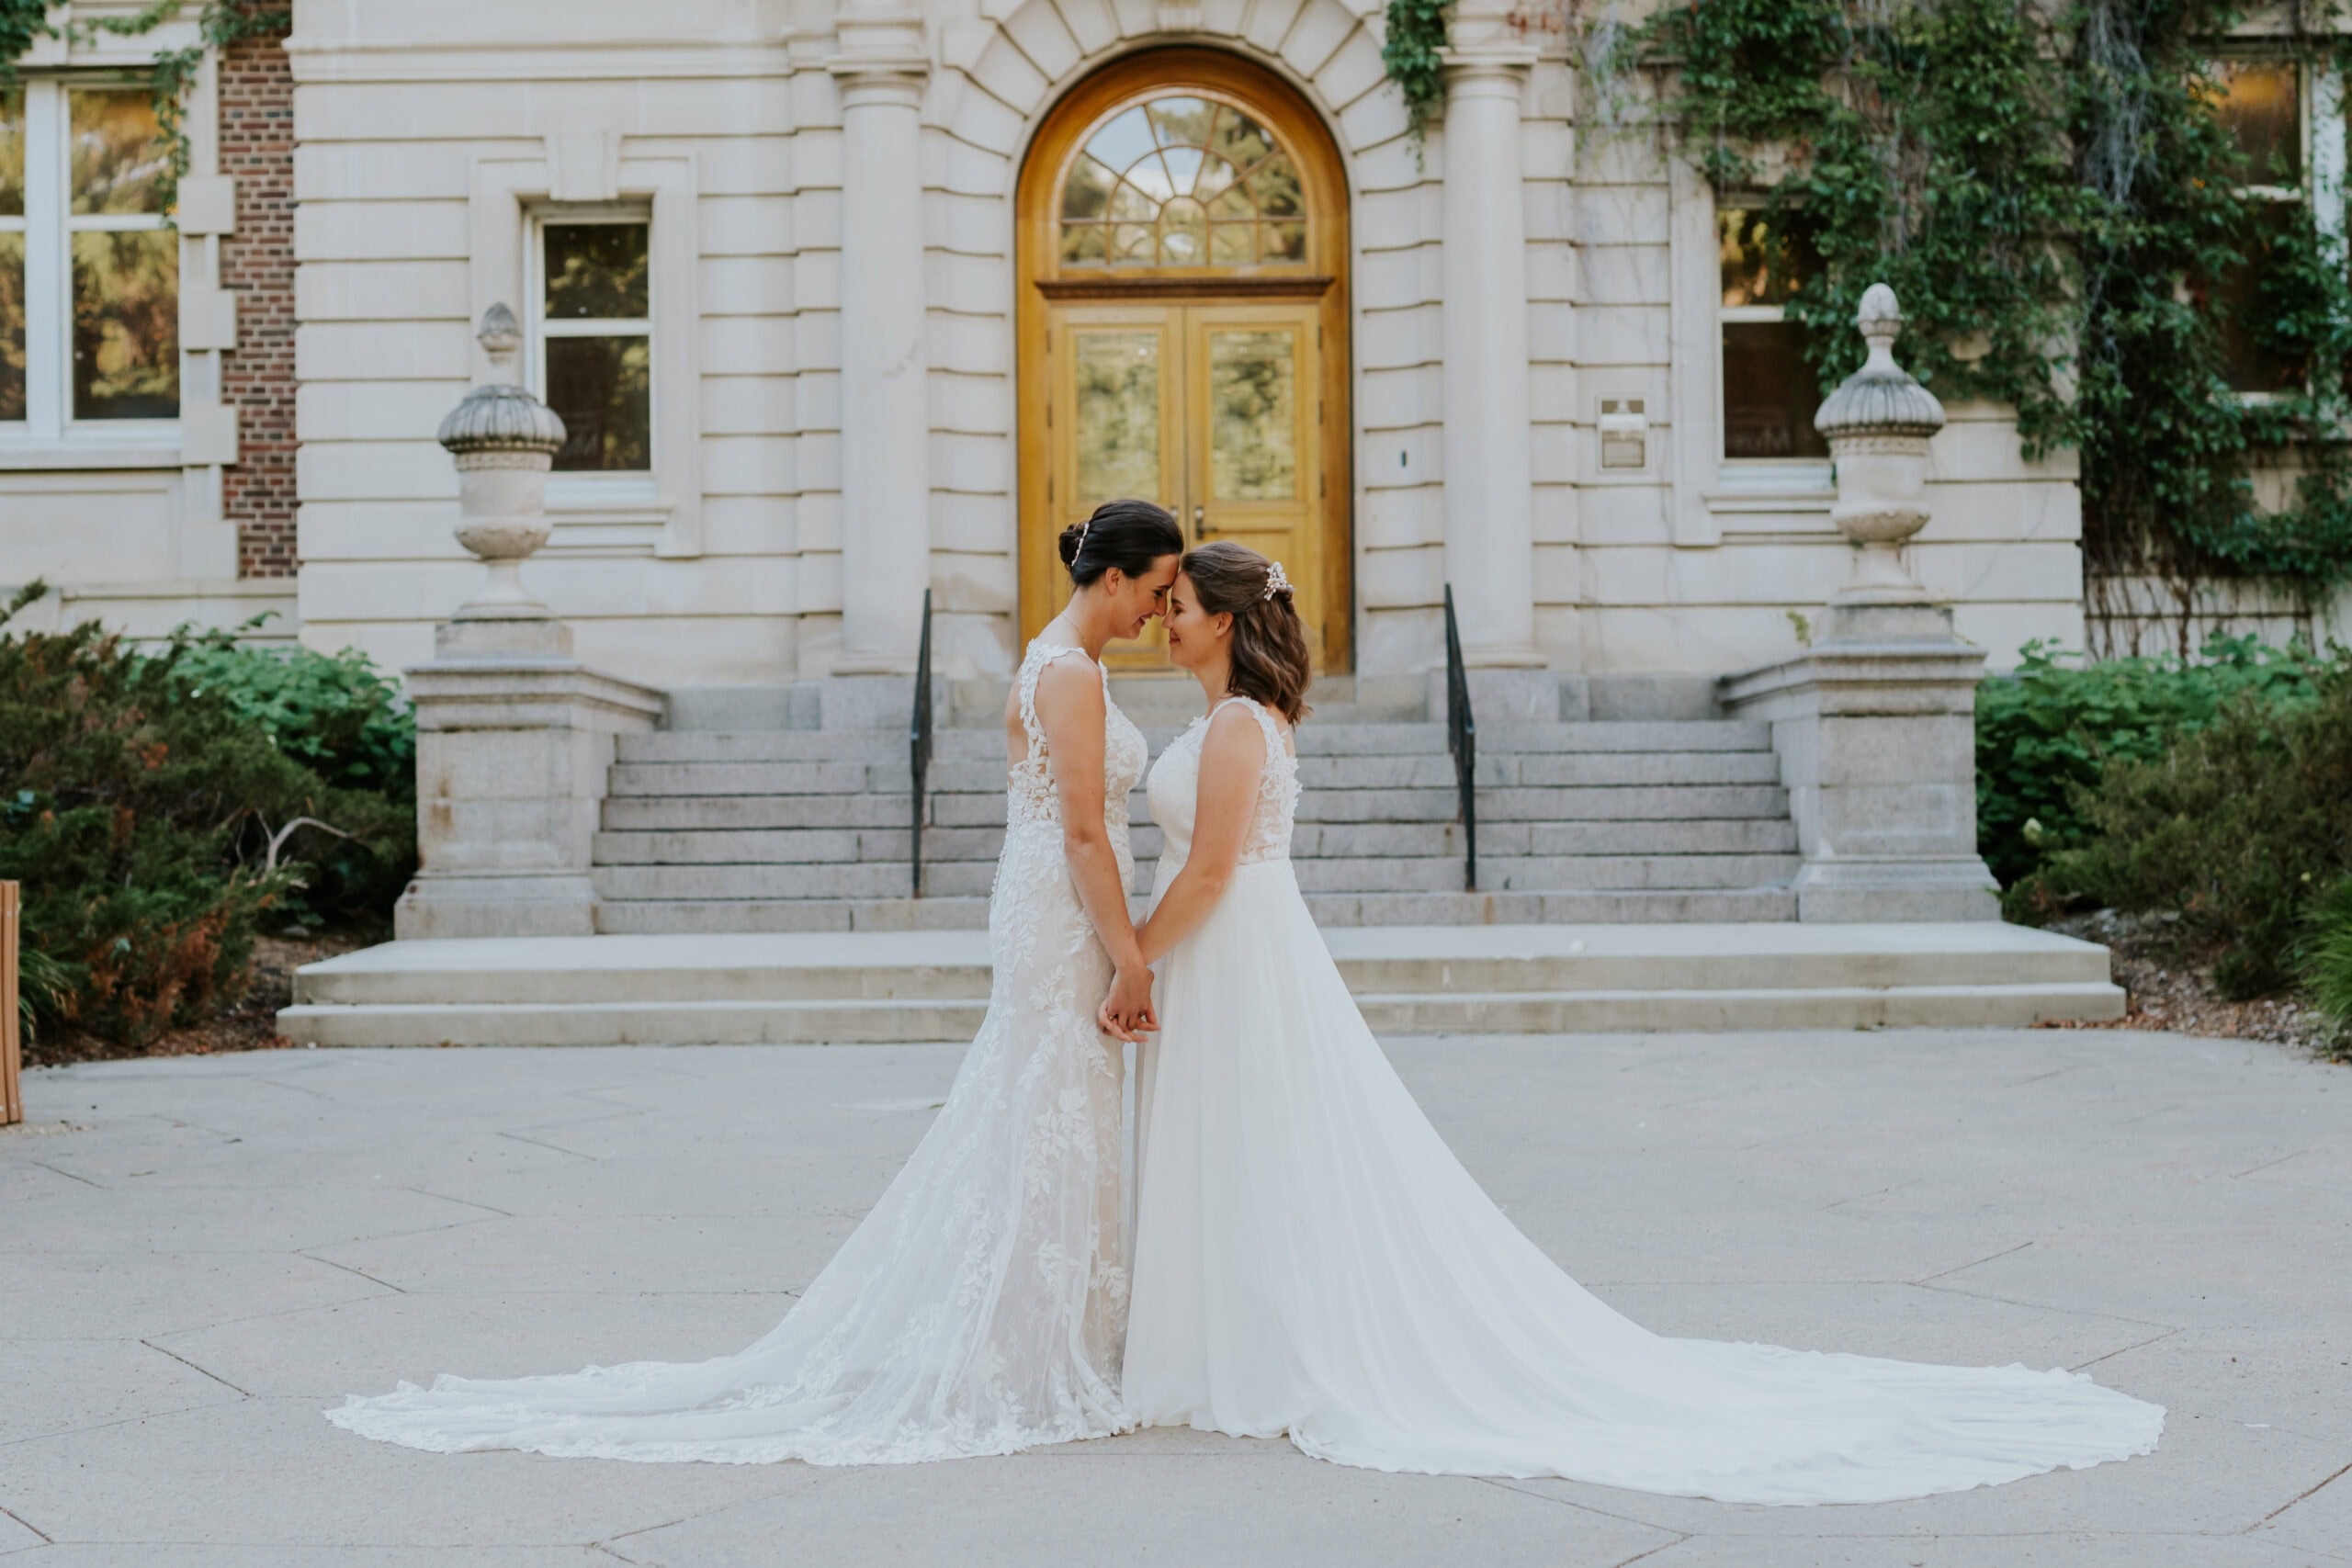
<point x="882" y="53"/>
<point x="1495" y="71"/>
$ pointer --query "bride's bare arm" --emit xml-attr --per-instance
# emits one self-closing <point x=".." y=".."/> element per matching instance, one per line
<point x="1233" y="754"/>
<point x="1070" y="711"/>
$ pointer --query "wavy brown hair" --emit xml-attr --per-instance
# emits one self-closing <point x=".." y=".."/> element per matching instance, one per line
<point x="1269" y="660"/>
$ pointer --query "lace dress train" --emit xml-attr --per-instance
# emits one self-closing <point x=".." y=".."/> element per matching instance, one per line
<point x="1311" y="1260"/>
<point x="979" y="1308"/>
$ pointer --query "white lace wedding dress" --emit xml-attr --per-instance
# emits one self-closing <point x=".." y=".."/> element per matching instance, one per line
<point x="1310" y="1259"/>
<point x="979" y="1308"/>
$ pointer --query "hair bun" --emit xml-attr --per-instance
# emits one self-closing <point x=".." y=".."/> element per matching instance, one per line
<point x="1072" y="536"/>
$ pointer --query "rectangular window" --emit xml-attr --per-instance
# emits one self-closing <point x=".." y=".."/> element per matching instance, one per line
<point x="89" y="273"/>
<point x="1769" y="391"/>
<point x="2260" y="103"/>
<point x="593" y="335"/>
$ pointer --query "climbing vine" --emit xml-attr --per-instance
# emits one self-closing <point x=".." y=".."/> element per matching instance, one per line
<point x="2052" y="194"/>
<point x="1415" y="34"/>
<point x="218" y="24"/>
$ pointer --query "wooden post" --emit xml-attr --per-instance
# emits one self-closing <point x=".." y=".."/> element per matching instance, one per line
<point x="12" y="1098"/>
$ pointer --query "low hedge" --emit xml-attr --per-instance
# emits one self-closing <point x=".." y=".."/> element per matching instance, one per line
<point x="2052" y="731"/>
<point x="153" y="810"/>
<point x="2241" y="828"/>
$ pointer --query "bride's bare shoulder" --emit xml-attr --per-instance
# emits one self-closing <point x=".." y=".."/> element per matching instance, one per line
<point x="1069" y="683"/>
<point x="1235" y="734"/>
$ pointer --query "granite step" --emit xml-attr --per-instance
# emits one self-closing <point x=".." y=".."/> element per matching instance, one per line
<point x="879" y="987"/>
<point x="1331" y="910"/>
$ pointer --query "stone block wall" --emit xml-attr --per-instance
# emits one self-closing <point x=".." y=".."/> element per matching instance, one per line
<point x="404" y="112"/>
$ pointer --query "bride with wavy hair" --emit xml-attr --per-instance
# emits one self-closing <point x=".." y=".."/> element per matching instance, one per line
<point x="1312" y="1261"/>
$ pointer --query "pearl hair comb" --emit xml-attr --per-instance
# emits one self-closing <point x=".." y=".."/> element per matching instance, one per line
<point x="1276" y="580"/>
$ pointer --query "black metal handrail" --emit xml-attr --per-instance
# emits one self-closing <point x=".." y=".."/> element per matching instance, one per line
<point x="1462" y="739"/>
<point x="919" y="748"/>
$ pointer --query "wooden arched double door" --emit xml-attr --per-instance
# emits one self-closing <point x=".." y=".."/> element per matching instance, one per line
<point x="1183" y="327"/>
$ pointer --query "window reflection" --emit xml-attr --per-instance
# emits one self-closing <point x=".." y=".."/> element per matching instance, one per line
<point x="1254" y="425"/>
<point x="1182" y="181"/>
<point x="596" y="323"/>
<point x="2261" y="105"/>
<point x="1118" y="415"/>
<point x="1769" y="391"/>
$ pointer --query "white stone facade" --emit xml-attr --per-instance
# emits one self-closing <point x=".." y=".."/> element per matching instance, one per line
<point x="430" y="132"/>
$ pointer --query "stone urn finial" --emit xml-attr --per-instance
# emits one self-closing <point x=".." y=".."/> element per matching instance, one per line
<point x="1877" y="423"/>
<point x="504" y="440"/>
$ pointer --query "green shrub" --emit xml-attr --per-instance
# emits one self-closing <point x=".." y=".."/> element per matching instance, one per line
<point x="2327" y="956"/>
<point x="140" y="811"/>
<point x="2055" y="727"/>
<point x="2237" y="828"/>
<point x="336" y="713"/>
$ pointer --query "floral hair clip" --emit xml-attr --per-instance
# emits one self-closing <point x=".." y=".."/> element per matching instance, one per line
<point x="1276" y="581"/>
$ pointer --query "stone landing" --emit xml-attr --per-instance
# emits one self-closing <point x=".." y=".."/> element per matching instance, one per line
<point x="878" y="987"/>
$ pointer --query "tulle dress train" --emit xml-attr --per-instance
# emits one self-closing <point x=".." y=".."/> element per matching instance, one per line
<point x="1311" y="1260"/>
<point x="979" y="1308"/>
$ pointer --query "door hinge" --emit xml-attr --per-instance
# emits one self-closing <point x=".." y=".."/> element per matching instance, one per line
<point x="1049" y="489"/>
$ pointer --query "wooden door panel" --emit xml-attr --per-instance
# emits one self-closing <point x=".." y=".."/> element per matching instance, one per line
<point x="1293" y="506"/>
<point x="1116" y="411"/>
<point x="1254" y="470"/>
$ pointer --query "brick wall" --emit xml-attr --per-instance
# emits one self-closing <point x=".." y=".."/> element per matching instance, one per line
<point x="257" y="264"/>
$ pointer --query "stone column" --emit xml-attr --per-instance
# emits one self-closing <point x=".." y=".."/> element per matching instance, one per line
<point x="1489" y="487"/>
<point x="513" y="736"/>
<point x="885" y="411"/>
<point x="1876" y="724"/>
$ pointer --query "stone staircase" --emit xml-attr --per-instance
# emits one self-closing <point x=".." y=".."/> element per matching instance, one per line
<point x="776" y="830"/>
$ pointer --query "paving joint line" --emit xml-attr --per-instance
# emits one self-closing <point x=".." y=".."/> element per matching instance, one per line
<point x="184" y="1362"/>
<point x="2292" y="1501"/>
<point x="542" y="1143"/>
<point x="1508" y="1483"/>
<point x="468" y="1202"/>
<point x="2265" y="1164"/>
<point x="349" y="1269"/>
<point x="70" y="1176"/>
<point x="2143" y="1344"/>
<point x="47" y="1538"/>
<point x="1960" y="1268"/>
<point x="2047" y="1306"/>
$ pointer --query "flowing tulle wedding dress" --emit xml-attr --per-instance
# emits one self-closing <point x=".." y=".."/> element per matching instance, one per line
<point x="1310" y="1259"/>
<point x="979" y="1308"/>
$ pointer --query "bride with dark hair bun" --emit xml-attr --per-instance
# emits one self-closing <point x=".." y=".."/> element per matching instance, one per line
<point x="1312" y="1261"/>
<point x="979" y="1308"/>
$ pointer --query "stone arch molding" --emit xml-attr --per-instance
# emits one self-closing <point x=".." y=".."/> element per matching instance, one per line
<point x="1005" y="71"/>
<point x="996" y="79"/>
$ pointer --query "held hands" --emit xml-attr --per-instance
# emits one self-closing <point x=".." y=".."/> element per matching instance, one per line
<point x="1126" y="1013"/>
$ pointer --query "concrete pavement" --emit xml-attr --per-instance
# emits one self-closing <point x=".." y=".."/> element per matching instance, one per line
<point x="200" y="1254"/>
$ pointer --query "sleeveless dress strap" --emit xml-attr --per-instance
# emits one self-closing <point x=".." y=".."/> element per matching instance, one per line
<point x="1041" y="654"/>
<point x="1266" y="724"/>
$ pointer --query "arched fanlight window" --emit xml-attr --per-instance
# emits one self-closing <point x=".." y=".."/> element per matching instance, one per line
<point x="1182" y="181"/>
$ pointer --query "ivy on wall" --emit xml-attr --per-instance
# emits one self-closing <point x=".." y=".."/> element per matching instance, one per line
<point x="1415" y="34"/>
<point x="218" y="24"/>
<point x="2052" y="193"/>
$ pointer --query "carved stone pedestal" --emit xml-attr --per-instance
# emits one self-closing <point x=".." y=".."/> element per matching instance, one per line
<point x="1875" y="724"/>
<point x="512" y="753"/>
<point x="513" y="736"/>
